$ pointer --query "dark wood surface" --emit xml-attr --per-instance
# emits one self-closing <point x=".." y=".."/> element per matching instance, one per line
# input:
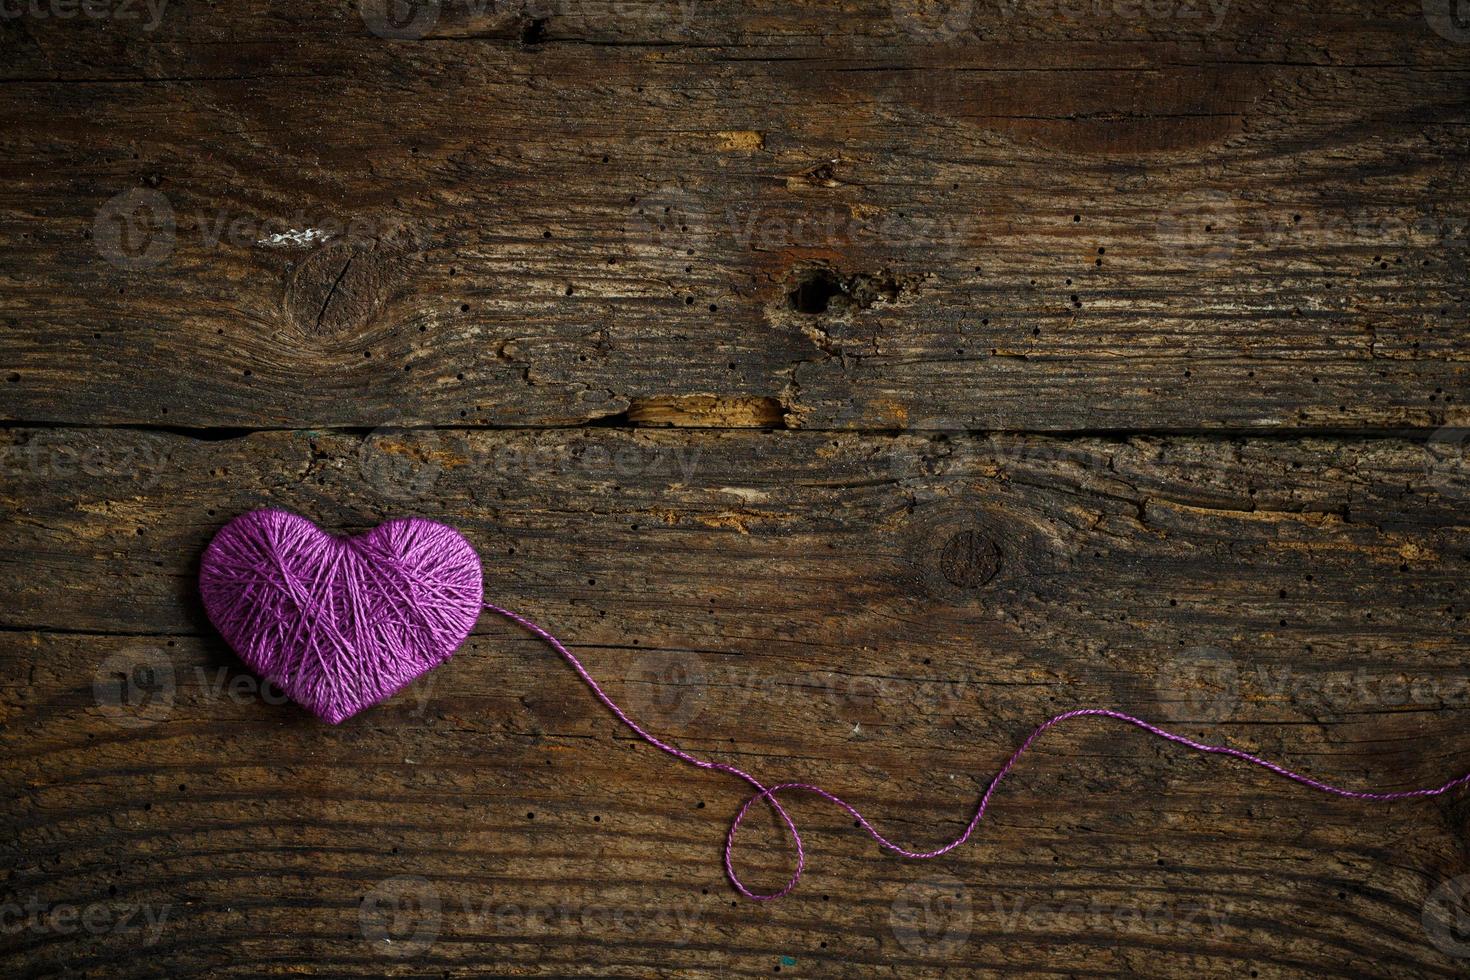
<point x="853" y="386"/>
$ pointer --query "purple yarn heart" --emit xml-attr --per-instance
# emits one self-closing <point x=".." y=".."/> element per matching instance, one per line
<point x="340" y="623"/>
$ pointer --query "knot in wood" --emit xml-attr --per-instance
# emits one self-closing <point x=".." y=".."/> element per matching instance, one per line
<point x="969" y="559"/>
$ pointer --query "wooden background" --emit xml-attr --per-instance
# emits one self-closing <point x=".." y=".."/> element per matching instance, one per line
<point x="852" y="384"/>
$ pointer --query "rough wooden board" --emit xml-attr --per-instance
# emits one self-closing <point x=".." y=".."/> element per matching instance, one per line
<point x="809" y="605"/>
<point x="546" y="199"/>
<point x="560" y="211"/>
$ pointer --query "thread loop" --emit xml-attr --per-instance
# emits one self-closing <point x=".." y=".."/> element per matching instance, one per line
<point x="769" y="795"/>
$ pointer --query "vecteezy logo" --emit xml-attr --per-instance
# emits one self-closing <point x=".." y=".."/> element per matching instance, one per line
<point x="1202" y="231"/>
<point x="1450" y="19"/>
<point x="1202" y="685"/>
<point x="135" y="687"/>
<point x="668" y="219"/>
<point x="401" y="464"/>
<point x="1447" y="461"/>
<point x="401" y="916"/>
<point x="932" y="918"/>
<point x="933" y="20"/>
<point x="1446" y="917"/>
<point x="665" y="690"/>
<point x="400" y="20"/>
<point x="135" y="230"/>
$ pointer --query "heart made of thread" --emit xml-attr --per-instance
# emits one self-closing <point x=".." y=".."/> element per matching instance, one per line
<point x="340" y="624"/>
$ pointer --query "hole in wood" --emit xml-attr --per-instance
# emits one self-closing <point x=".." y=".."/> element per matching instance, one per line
<point x="815" y="291"/>
<point x="820" y="289"/>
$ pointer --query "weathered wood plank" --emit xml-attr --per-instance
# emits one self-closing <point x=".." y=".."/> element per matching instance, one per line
<point x="889" y="614"/>
<point x="1042" y="222"/>
<point x="821" y="216"/>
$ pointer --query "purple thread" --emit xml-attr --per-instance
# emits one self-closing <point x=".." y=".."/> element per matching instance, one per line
<point x="339" y="624"/>
<point x="343" y="623"/>
<point x="769" y="794"/>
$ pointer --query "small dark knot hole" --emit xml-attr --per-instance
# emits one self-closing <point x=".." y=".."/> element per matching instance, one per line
<point x="815" y="291"/>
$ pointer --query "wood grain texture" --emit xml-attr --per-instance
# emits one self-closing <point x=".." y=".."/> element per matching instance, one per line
<point x="1038" y="222"/>
<point x="852" y="384"/>
<point x="889" y="615"/>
